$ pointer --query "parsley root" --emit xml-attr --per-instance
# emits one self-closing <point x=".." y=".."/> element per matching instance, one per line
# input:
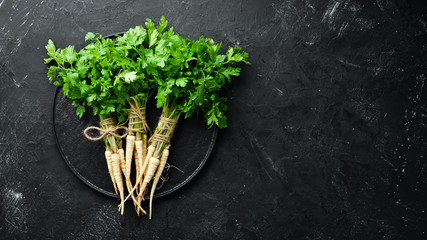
<point x="130" y="143"/>
<point x="122" y="160"/>
<point x="151" y="170"/>
<point x="151" y="149"/>
<point x="110" y="167"/>
<point x="159" y="172"/>
<point x="118" y="177"/>
<point x="137" y="168"/>
<point x="143" y="172"/>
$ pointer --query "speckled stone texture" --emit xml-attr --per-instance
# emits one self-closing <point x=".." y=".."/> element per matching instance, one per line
<point x="326" y="136"/>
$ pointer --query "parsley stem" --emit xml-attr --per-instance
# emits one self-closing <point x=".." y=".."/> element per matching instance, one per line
<point x="169" y="111"/>
<point x="110" y="141"/>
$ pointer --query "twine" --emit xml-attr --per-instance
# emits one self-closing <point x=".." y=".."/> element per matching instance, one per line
<point x="110" y="130"/>
<point x="137" y="112"/>
<point x="168" y="125"/>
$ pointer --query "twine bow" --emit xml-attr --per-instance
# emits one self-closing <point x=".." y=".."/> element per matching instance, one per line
<point x="110" y="130"/>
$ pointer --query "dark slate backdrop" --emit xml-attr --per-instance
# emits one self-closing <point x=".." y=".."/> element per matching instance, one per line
<point x="326" y="136"/>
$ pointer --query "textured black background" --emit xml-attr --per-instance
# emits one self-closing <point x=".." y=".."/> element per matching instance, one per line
<point x="326" y="136"/>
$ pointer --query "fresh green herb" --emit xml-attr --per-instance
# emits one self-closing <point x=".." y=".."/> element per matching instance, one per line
<point x="185" y="77"/>
<point x="87" y="76"/>
<point x="188" y="76"/>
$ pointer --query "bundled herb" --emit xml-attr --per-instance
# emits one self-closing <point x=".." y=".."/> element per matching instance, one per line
<point x="130" y="52"/>
<point x="140" y="57"/>
<point x="117" y="78"/>
<point x="188" y="77"/>
<point x="87" y="77"/>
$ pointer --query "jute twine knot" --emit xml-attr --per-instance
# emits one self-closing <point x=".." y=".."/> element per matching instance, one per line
<point x="137" y="112"/>
<point x="111" y="129"/>
<point x="165" y="124"/>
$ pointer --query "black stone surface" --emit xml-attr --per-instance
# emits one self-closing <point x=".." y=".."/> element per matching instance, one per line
<point x="326" y="136"/>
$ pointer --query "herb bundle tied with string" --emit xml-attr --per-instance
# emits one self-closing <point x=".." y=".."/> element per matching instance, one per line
<point x="116" y="78"/>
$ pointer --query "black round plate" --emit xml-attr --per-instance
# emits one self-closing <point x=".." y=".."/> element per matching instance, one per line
<point x="191" y="146"/>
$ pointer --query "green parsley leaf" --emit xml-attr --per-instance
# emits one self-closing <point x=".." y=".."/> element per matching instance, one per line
<point x="89" y="36"/>
<point x="80" y="111"/>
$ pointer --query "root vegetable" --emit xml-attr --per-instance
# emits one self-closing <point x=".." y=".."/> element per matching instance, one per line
<point x="144" y="149"/>
<point x="144" y="171"/>
<point x="151" y="149"/>
<point x="110" y="168"/>
<point x="151" y="170"/>
<point x="137" y="168"/>
<point x="139" y="151"/>
<point x="118" y="177"/>
<point x="130" y="143"/>
<point x="122" y="160"/>
<point x="159" y="172"/>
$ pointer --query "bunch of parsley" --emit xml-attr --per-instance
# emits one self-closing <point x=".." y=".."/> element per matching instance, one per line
<point x="87" y="77"/>
<point x="184" y="75"/>
<point x="188" y="75"/>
